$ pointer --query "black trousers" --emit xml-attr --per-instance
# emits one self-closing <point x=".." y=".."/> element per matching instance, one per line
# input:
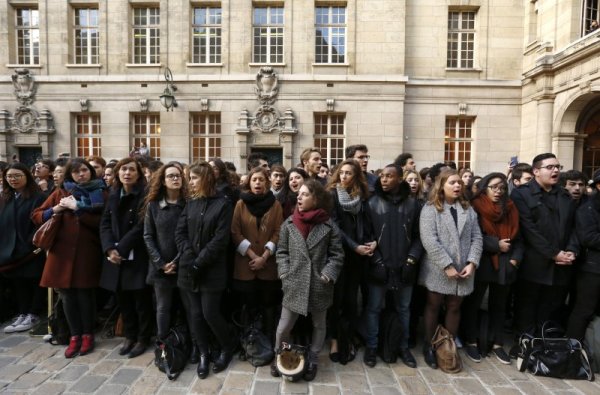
<point x="345" y="297"/>
<point x="137" y="313"/>
<point x="204" y="315"/>
<point x="537" y="303"/>
<point x="79" y="305"/>
<point x="496" y="309"/>
<point x="588" y="299"/>
<point x="31" y="298"/>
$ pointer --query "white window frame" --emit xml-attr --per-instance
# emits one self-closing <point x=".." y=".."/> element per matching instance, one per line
<point x="91" y="124"/>
<point x="209" y="126"/>
<point x="327" y="150"/>
<point x="589" y="13"/>
<point x="147" y="31"/>
<point x="29" y="31"/>
<point x="452" y="151"/>
<point x="271" y="30"/>
<point x="148" y="122"/>
<point x="462" y="36"/>
<point x="335" y="30"/>
<point x="209" y="30"/>
<point x="87" y="33"/>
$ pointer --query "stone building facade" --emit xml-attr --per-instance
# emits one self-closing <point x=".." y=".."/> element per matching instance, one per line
<point x="474" y="81"/>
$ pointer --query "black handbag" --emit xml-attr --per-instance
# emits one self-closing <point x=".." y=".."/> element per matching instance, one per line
<point x="553" y="355"/>
<point x="171" y="354"/>
<point x="256" y="346"/>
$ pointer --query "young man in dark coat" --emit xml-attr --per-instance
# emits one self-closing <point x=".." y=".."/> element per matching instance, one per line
<point x="360" y="153"/>
<point x="547" y="223"/>
<point x="395" y="218"/>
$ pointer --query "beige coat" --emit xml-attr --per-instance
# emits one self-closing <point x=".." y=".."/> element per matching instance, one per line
<point x="243" y="227"/>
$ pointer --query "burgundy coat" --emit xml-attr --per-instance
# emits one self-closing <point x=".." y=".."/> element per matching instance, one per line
<point x="74" y="261"/>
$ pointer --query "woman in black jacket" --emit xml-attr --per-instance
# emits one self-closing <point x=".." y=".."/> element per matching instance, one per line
<point x="18" y="262"/>
<point x="349" y="192"/>
<point x="126" y="266"/>
<point x="164" y="204"/>
<point x="202" y="238"/>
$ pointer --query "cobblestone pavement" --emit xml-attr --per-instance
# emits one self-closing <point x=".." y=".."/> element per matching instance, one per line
<point x="29" y="366"/>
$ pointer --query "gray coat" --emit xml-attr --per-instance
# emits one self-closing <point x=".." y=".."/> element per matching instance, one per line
<point x="300" y="264"/>
<point x="446" y="245"/>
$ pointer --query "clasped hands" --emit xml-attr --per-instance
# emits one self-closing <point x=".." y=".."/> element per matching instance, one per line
<point x="258" y="262"/>
<point x="366" y="249"/>
<point x="565" y="258"/>
<point x="66" y="203"/>
<point x="451" y="271"/>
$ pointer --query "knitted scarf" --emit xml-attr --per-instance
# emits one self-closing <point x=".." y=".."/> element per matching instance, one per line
<point x="348" y="203"/>
<point x="496" y="222"/>
<point x="89" y="195"/>
<point x="258" y="205"/>
<point x="306" y="220"/>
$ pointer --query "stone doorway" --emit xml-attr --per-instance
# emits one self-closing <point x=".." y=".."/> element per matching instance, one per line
<point x="590" y="127"/>
<point x="274" y="155"/>
<point x="30" y="155"/>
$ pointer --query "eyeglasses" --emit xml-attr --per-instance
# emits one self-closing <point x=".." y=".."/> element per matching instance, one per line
<point x="497" y="188"/>
<point x="551" y="167"/>
<point x="14" y="176"/>
<point x="364" y="157"/>
<point x="173" y="176"/>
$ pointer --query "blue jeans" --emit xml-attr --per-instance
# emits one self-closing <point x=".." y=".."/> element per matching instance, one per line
<point x="375" y="304"/>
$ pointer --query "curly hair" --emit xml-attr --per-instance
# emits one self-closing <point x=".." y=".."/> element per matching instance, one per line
<point x="322" y="197"/>
<point x="359" y="185"/>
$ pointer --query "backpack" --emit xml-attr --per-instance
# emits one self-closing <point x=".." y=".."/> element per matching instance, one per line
<point x="390" y="333"/>
<point x="59" y="327"/>
<point x="171" y="354"/>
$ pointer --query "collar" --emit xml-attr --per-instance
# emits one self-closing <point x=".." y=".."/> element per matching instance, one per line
<point x="162" y="203"/>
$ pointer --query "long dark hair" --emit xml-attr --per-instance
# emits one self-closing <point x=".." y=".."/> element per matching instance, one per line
<point x="223" y="172"/>
<point x="286" y="184"/>
<point x="31" y="188"/>
<point x="322" y="197"/>
<point x="482" y="187"/>
<point x="157" y="189"/>
<point x="74" y="164"/>
<point x="359" y="185"/>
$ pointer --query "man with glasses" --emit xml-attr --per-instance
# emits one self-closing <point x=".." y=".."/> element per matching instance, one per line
<point x="360" y="153"/>
<point x="546" y="220"/>
<point x="43" y="175"/>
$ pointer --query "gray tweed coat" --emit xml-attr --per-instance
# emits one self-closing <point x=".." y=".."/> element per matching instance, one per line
<point x="300" y="264"/>
<point x="446" y="245"/>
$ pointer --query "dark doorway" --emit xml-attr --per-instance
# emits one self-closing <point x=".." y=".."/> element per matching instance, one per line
<point x="30" y="155"/>
<point x="274" y="155"/>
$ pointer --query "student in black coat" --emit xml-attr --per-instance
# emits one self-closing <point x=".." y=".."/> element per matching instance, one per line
<point x="20" y="196"/>
<point x="126" y="266"/>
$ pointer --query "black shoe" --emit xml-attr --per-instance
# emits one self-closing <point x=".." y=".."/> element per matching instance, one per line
<point x="407" y="357"/>
<point x="514" y="351"/>
<point x="334" y="356"/>
<point x="430" y="358"/>
<point x="195" y="354"/>
<point x="501" y="355"/>
<point x="222" y="361"/>
<point x="352" y="353"/>
<point x="274" y="370"/>
<point x="370" y="357"/>
<point x="472" y="352"/>
<point x="203" y="365"/>
<point x="311" y="372"/>
<point x="137" y="350"/>
<point x="126" y="347"/>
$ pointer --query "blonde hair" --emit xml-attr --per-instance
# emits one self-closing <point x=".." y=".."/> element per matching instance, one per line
<point x="437" y="197"/>
<point x="406" y="173"/>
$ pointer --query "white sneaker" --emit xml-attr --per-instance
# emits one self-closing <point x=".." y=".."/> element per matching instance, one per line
<point x="13" y="327"/>
<point x="28" y="322"/>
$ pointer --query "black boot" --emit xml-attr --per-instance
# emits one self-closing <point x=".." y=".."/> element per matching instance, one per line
<point x="195" y="354"/>
<point x="223" y="359"/>
<point x="204" y="362"/>
<point x="429" y="356"/>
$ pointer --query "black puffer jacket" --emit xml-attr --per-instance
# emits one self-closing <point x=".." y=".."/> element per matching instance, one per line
<point x="588" y="231"/>
<point x="202" y="238"/>
<point x="395" y="221"/>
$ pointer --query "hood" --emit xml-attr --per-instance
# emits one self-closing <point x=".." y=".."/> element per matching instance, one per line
<point x="401" y="195"/>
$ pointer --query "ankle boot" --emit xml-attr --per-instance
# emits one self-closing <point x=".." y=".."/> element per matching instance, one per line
<point x="195" y="354"/>
<point x="87" y="344"/>
<point x="204" y="363"/>
<point x="74" y="346"/>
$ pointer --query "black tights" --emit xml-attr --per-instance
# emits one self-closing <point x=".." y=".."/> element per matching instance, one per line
<point x="79" y="305"/>
<point x="432" y="310"/>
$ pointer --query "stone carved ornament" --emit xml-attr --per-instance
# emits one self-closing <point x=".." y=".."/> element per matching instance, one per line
<point x="24" y="86"/>
<point x="266" y="85"/>
<point x="25" y="120"/>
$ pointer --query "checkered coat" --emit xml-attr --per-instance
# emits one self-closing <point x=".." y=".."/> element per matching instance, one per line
<point x="300" y="264"/>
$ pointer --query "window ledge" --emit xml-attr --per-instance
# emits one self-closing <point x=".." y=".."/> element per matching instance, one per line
<point x="142" y="65"/>
<point x="266" y="64"/>
<point x="82" y="66"/>
<point x="331" y="64"/>
<point x="204" y="64"/>
<point x="28" y="66"/>
<point x="476" y="69"/>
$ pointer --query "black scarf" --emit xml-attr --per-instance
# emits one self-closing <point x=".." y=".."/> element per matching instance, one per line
<point x="258" y="205"/>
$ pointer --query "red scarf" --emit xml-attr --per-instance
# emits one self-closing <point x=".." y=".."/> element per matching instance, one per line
<point x="306" y="220"/>
<point x="494" y="222"/>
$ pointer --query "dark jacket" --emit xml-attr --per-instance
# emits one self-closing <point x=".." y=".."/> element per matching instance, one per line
<point x="74" y="261"/>
<point x="159" y="236"/>
<point x="371" y="180"/>
<point x="588" y="231"/>
<point x="354" y="228"/>
<point x="202" y="238"/>
<point x="16" y="233"/>
<point x="546" y="231"/>
<point x="395" y="220"/>
<point x="121" y="228"/>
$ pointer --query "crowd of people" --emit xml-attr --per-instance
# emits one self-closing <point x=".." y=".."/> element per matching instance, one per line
<point x="197" y="243"/>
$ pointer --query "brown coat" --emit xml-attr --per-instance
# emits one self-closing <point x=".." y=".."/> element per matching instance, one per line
<point x="243" y="228"/>
<point x="74" y="261"/>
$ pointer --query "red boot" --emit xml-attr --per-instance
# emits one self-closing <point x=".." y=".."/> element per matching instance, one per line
<point x="87" y="344"/>
<point x="74" y="346"/>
